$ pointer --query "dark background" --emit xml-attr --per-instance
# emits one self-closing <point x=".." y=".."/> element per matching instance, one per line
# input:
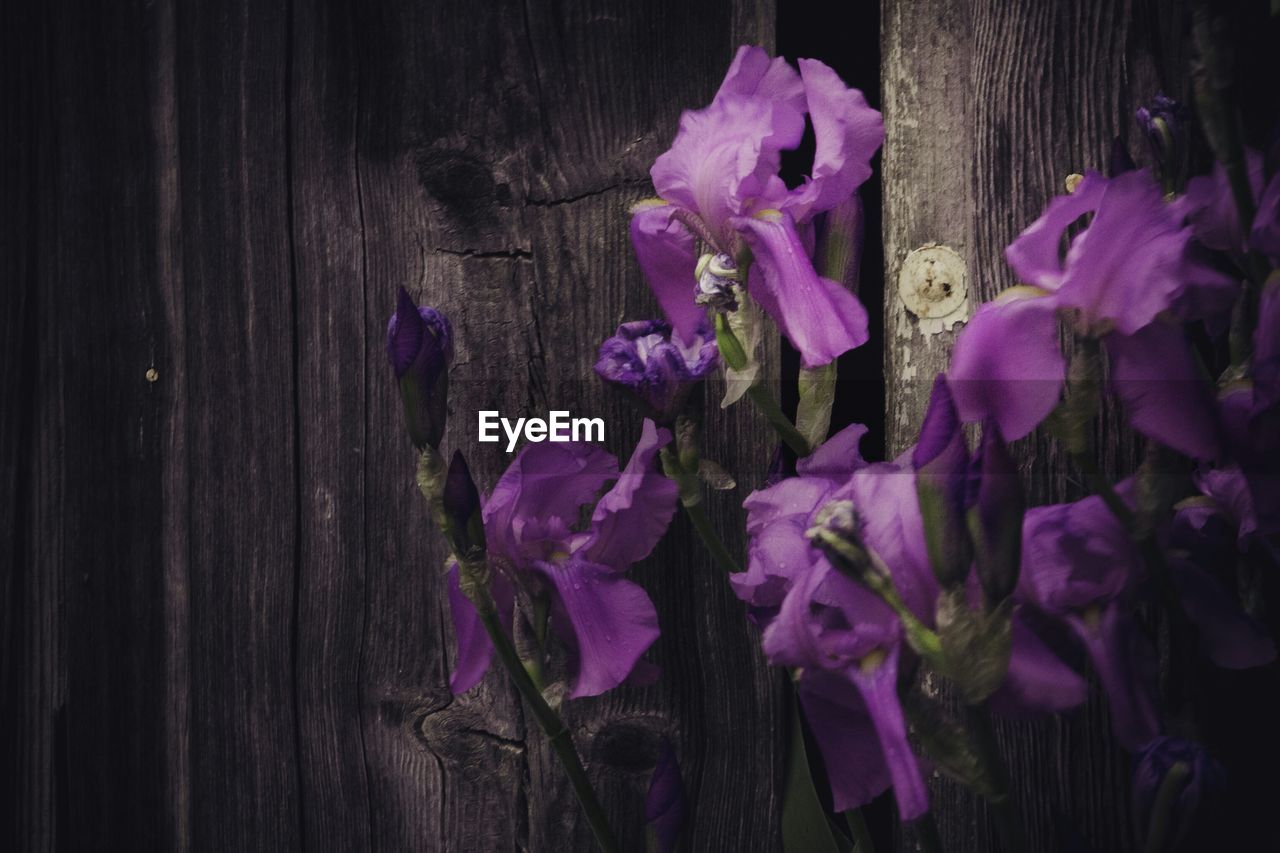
<point x="222" y="623"/>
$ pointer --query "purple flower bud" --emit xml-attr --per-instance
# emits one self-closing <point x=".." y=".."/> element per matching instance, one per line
<point x="1164" y="123"/>
<point x="665" y="806"/>
<point x="996" y="506"/>
<point x="420" y="348"/>
<point x="462" y="507"/>
<point x="941" y="461"/>
<point x="654" y="366"/>
<point x="1177" y="788"/>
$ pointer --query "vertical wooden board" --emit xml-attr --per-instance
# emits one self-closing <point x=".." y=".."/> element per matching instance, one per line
<point x="332" y="350"/>
<point x="232" y="62"/>
<point x="988" y="107"/>
<point x="29" y="658"/>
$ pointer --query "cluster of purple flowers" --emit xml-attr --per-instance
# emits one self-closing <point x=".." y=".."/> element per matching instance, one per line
<point x="860" y="573"/>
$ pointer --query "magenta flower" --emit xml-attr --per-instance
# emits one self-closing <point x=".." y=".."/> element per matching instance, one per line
<point x="420" y="348"/>
<point x="1007" y="364"/>
<point x="719" y="184"/>
<point x="656" y="368"/>
<point x="1210" y="208"/>
<point x="536" y="545"/>
<point x="847" y="642"/>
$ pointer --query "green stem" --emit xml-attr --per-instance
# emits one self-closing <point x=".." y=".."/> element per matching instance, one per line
<point x="768" y="406"/>
<point x="859" y="832"/>
<point x="714" y="545"/>
<point x="1174" y="781"/>
<point x="551" y="724"/>
<point x="1008" y="822"/>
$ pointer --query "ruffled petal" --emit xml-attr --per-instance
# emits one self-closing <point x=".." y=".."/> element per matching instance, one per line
<point x="1034" y="255"/>
<point x="846" y="737"/>
<point x="819" y="317"/>
<point x="634" y="514"/>
<point x="753" y="72"/>
<point x="1165" y="393"/>
<point x="837" y="457"/>
<point x="665" y="250"/>
<point x="606" y="622"/>
<point x="1128" y="265"/>
<point x="1007" y="365"/>
<point x="1074" y="556"/>
<point x="541" y="491"/>
<point x="847" y="133"/>
<point x="1038" y="681"/>
<point x="725" y="158"/>
<point x="1228" y="635"/>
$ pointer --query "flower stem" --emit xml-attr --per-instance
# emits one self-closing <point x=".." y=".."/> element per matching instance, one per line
<point x="714" y="545"/>
<point x="768" y="406"/>
<point x="551" y="724"/>
<point x="983" y="735"/>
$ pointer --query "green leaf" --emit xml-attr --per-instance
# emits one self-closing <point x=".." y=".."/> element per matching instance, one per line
<point x="805" y="825"/>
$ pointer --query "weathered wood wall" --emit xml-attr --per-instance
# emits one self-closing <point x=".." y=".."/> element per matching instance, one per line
<point x="988" y="106"/>
<point x="222" y="616"/>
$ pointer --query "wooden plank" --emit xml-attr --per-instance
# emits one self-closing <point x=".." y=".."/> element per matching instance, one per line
<point x="988" y="106"/>
<point x="241" y="391"/>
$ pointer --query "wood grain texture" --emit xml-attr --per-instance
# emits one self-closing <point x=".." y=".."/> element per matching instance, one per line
<point x="223" y="613"/>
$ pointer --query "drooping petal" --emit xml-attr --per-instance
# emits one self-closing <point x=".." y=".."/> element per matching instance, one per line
<point x="725" y="158"/>
<point x="665" y="250"/>
<point x="847" y="133"/>
<point x="539" y="494"/>
<point x="475" y="649"/>
<point x="1007" y="365"/>
<point x="1111" y="643"/>
<point x="634" y="514"/>
<point x="1228" y="635"/>
<point x="1035" y="254"/>
<point x="1075" y="556"/>
<point x="752" y="72"/>
<point x="846" y="737"/>
<point x="819" y="317"/>
<point x="1038" y="681"/>
<point x="606" y="622"/>
<point x="1165" y="393"/>
<point x="878" y="685"/>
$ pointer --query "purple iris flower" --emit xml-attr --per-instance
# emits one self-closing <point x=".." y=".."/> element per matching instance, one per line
<point x="1122" y="277"/>
<point x="1080" y="565"/>
<point x="846" y="641"/>
<point x="535" y="545"/>
<point x="719" y="184"/>
<point x="420" y="348"/>
<point x="657" y="369"/>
